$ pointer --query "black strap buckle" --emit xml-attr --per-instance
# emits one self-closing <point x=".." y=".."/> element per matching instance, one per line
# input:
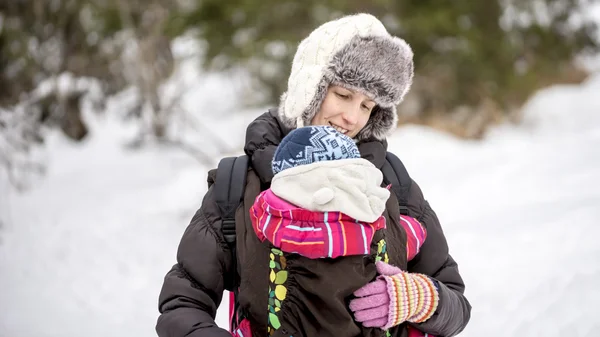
<point x="228" y="229"/>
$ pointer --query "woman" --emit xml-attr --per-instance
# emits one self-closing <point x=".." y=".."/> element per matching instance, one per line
<point x="349" y="74"/>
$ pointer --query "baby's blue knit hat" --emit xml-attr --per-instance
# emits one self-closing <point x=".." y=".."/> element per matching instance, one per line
<point x="310" y="144"/>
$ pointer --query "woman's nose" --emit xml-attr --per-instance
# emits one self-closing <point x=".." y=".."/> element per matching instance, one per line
<point x="351" y="114"/>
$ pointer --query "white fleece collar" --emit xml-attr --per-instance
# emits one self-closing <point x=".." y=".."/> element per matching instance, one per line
<point x="350" y="186"/>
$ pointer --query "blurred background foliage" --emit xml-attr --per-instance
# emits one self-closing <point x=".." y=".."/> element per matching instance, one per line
<point x="477" y="62"/>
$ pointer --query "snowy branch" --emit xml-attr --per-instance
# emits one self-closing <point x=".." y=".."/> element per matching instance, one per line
<point x="19" y="132"/>
<point x="22" y="126"/>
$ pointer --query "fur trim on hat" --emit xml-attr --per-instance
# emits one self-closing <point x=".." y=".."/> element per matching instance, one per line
<point x="355" y="52"/>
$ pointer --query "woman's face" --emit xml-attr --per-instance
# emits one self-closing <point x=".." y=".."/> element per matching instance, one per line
<point x="346" y="110"/>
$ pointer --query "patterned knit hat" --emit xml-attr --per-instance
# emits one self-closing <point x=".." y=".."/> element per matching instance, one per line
<point x="311" y="144"/>
<point x="355" y="52"/>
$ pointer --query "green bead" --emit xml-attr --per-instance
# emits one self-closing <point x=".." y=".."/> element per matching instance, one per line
<point x="281" y="277"/>
<point x="274" y="320"/>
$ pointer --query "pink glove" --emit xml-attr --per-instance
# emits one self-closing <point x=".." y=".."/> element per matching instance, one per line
<point x="394" y="297"/>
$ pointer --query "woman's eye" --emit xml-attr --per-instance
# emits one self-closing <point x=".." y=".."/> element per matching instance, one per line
<point x="341" y="95"/>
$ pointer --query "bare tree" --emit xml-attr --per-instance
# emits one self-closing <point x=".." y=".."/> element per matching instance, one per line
<point x="148" y="63"/>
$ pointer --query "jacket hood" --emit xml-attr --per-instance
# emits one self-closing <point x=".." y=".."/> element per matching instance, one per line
<point x="349" y="186"/>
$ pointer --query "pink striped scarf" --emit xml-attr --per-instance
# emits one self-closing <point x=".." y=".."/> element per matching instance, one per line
<point x="311" y="234"/>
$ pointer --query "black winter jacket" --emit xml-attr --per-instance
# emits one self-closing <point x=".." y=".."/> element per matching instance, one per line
<point x="193" y="288"/>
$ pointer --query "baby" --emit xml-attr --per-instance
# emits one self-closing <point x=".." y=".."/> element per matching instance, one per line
<point x="323" y="219"/>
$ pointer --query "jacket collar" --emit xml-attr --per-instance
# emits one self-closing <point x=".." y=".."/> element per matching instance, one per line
<point x="264" y="134"/>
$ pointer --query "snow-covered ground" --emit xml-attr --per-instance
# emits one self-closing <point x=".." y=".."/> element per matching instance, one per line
<point x="84" y="252"/>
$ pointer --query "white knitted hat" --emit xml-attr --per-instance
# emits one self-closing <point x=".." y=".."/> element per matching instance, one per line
<point x="355" y="52"/>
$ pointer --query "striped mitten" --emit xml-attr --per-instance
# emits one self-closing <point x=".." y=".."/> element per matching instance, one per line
<point x="395" y="297"/>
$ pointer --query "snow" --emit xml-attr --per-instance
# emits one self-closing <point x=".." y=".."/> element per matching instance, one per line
<point x="86" y="248"/>
<point x="520" y="211"/>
